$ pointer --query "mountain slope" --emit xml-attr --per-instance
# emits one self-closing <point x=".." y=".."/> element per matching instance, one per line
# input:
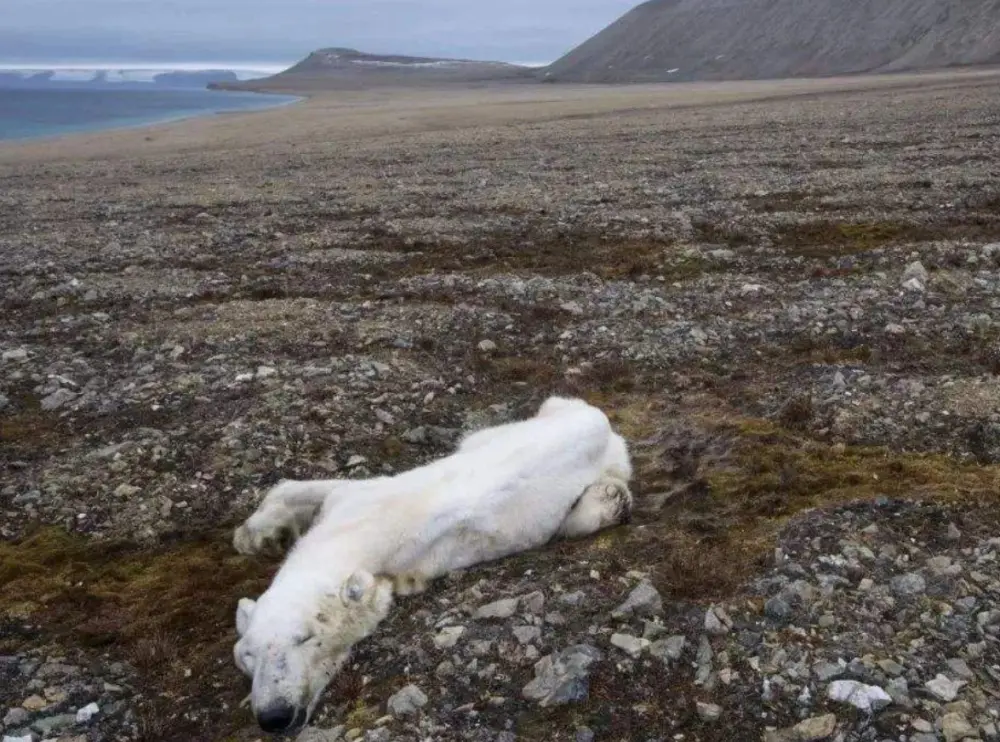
<point x="757" y="39"/>
<point x="349" y="69"/>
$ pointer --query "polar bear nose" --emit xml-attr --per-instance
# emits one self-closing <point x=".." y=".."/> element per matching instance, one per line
<point x="277" y="718"/>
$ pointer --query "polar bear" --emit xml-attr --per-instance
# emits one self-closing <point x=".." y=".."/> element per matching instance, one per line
<point x="563" y="473"/>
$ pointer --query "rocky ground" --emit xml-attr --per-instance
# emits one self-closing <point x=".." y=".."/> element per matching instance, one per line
<point x="790" y="308"/>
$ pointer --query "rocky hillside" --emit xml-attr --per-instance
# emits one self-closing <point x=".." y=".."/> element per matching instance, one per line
<point x="349" y="69"/>
<point x="675" y="40"/>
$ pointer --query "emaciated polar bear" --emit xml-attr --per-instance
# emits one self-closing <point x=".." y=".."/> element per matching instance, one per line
<point x="514" y="487"/>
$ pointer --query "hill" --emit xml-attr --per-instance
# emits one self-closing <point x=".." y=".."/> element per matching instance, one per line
<point x="680" y="40"/>
<point x="349" y="69"/>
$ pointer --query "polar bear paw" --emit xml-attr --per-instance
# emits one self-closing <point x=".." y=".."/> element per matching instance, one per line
<point x="269" y="531"/>
<point x="606" y="503"/>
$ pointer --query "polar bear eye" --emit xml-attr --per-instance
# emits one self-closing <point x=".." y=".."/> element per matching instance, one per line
<point x="302" y="640"/>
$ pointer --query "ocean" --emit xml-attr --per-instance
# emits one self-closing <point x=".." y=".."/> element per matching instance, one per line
<point x="31" y="114"/>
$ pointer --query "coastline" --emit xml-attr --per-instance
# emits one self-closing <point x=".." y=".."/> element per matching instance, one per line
<point x="149" y="121"/>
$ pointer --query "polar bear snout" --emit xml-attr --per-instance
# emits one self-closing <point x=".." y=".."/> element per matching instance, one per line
<point x="280" y="718"/>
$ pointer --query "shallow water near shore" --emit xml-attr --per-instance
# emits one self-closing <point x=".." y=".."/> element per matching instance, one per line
<point x="34" y="114"/>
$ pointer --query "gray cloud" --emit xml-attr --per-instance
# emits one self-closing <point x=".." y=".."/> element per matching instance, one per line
<point x="279" y="31"/>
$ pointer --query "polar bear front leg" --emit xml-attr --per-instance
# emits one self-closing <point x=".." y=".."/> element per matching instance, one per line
<point x="285" y="513"/>
<point x="605" y="503"/>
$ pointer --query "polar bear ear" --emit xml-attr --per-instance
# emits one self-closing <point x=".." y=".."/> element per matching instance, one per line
<point x="357" y="588"/>
<point x="244" y="610"/>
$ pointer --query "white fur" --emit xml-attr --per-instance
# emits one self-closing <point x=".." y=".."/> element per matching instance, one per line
<point x="506" y="489"/>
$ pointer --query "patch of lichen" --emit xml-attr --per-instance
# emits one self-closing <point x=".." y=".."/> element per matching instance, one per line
<point x="167" y="610"/>
<point x="774" y="471"/>
<point x="820" y="239"/>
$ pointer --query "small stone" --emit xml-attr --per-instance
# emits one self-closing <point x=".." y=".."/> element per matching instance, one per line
<point x="585" y="734"/>
<point x="527" y="634"/>
<point x="18" y="354"/>
<point x="709" y="712"/>
<point x="631" y="645"/>
<point x="891" y="667"/>
<point x="866" y="698"/>
<point x="407" y="702"/>
<point x="19" y="737"/>
<point x="34" y="703"/>
<point x="777" y="609"/>
<point x="829" y="670"/>
<point x="265" y="372"/>
<point x="894" y="328"/>
<point x="960" y="668"/>
<point x="88" y="712"/>
<point x="644" y="600"/>
<point x="717" y="622"/>
<point x="564" y="677"/>
<point x="312" y="734"/>
<point x="448" y="637"/>
<point x="487" y="346"/>
<point x="955" y="727"/>
<point x="575" y="598"/>
<point x="57" y="399"/>
<point x="670" y="648"/>
<point x="953" y="534"/>
<point x="533" y="603"/>
<point x="909" y="584"/>
<point x="814" y="729"/>
<point x="16" y="717"/>
<point x="51" y="724"/>
<point x="499" y="609"/>
<point x="944" y="688"/>
<point x="356" y="461"/>
<point x="915" y="271"/>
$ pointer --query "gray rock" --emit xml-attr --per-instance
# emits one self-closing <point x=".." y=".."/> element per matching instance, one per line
<point x="20" y="736"/>
<point x="16" y="717"/>
<point x="4" y="402"/>
<point x="669" y="649"/>
<point x="708" y="712"/>
<point x="487" y="346"/>
<point x="953" y="534"/>
<point x="527" y="634"/>
<point x="584" y="734"/>
<point x="944" y="688"/>
<point x="533" y="603"/>
<point x="960" y="668"/>
<point x="826" y="671"/>
<point x="88" y="712"/>
<point x="18" y="354"/>
<point x="644" y="600"/>
<point x="814" y="729"/>
<point x="633" y="646"/>
<point x="312" y="734"/>
<point x="777" y="609"/>
<point x="909" y="584"/>
<point x="866" y="698"/>
<point x="717" y="621"/>
<point x="407" y="702"/>
<point x="448" y="637"/>
<point x="50" y="724"/>
<point x="955" y="727"/>
<point x="574" y="598"/>
<point x="564" y="677"/>
<point x="499" y="609"/>
<point x="57" y="399"/>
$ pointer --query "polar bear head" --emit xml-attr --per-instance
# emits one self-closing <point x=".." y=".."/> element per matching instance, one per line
<point x="293" y="642"/>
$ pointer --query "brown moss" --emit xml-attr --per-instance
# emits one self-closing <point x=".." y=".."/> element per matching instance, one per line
<point x="820" y="239"/>
<point x="167" y="610"/>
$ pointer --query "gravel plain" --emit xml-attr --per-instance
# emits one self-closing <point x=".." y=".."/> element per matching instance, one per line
<point x="790" y="306"/>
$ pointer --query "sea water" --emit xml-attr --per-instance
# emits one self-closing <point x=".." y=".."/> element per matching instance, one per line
<point x="29" y="114"/>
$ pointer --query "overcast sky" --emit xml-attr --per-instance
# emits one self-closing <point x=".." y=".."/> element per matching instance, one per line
<point x="283" y="31"/>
